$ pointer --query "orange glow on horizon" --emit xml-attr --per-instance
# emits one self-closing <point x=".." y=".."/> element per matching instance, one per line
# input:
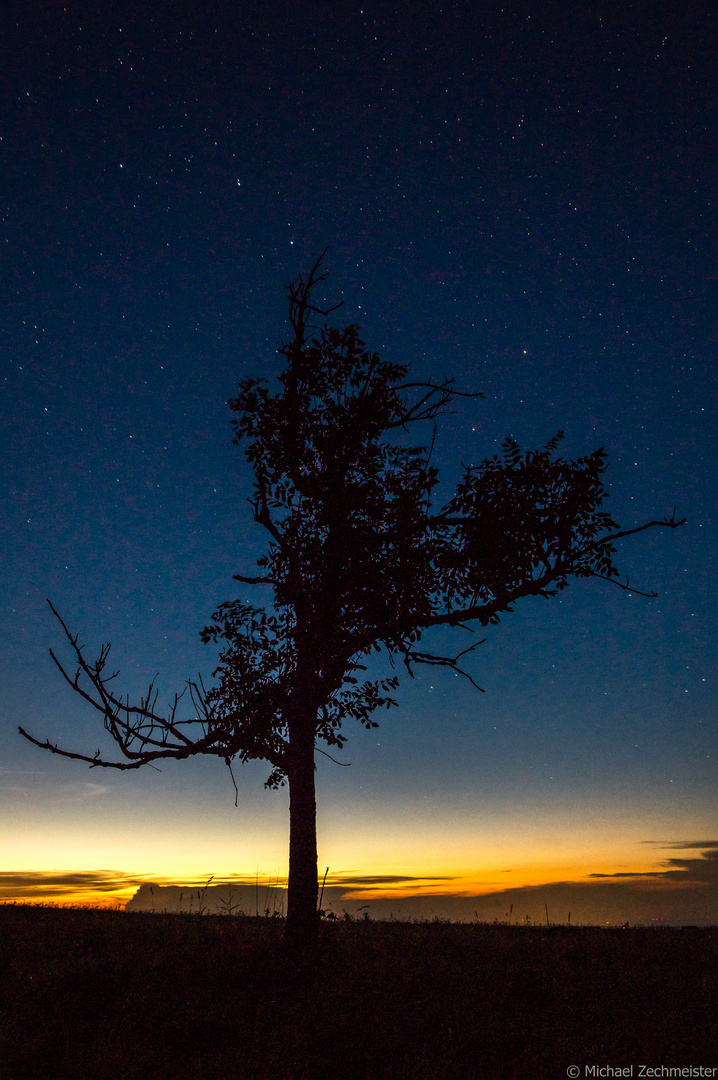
<point x="115" y="890"/>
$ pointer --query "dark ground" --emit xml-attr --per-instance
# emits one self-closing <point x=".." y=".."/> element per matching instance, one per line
<point x="94" y="994"/>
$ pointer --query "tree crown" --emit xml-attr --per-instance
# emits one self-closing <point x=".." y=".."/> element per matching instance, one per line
<point x="358" y="558"/>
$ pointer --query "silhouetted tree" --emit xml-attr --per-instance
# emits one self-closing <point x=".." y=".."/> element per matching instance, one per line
<point x="359" y="562"/>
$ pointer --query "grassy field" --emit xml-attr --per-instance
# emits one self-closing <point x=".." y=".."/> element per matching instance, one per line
<point x="138" y="996"/>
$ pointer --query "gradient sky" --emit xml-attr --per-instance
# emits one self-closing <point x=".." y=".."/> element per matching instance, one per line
<point x="514" y="194"/>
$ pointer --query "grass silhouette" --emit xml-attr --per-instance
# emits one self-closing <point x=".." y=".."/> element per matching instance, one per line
<point x="97" y="993"/>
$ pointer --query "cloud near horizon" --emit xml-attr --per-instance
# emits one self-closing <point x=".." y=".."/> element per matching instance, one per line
<point x="372" y="880"/>
<point x="680" y="845"/>
<point x="686" y="891"/>
<point x="37" y="884"/>
<point x="699" y="871"/>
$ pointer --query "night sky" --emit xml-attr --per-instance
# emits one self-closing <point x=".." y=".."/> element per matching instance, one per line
<point x="517" y="195"/>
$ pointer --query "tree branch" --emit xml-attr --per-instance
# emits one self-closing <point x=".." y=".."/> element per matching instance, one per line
<point x="262" y="516"/>
<point x="98" y="762"/>
<point x="299" y="292"/>
<point x="444" y="387"/>
<point x="667" y="523"/>
<point x="425" y="408"/>
<point x="411" y="657"/>
<point x="143" y="735"/>
<point x="627" y="587"/>
<point x="344" y="764"/>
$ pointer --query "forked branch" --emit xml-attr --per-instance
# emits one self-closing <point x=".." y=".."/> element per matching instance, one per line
<point x="452" y="662"/>
<point x="142" y="734"/>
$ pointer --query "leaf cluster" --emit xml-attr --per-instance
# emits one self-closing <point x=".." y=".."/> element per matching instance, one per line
<point x="525" y="517"/>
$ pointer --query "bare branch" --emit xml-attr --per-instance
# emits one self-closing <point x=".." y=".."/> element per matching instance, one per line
<point x="443" y="387"/>
<point x="97" y="761"/>
<point x="299" y="292"/>
<point x="426" y="408"/>
<point x="111" y="706"/>
<point x="627" y="587"/>
<point x="344" y="764"/>
<point x="144" y="735"/>
<point x="228" y="763"/>
<point x="667" y="523"/>
<point x="411" y="657"/>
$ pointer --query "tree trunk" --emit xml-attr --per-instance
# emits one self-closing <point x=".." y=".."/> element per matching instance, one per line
<point x="303" y="887"/>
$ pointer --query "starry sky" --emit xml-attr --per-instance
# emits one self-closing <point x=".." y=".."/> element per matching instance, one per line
<point x="516" y="195"/>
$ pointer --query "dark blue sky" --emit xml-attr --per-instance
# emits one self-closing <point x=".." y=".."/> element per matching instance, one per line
<point x="517" y="195"/>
